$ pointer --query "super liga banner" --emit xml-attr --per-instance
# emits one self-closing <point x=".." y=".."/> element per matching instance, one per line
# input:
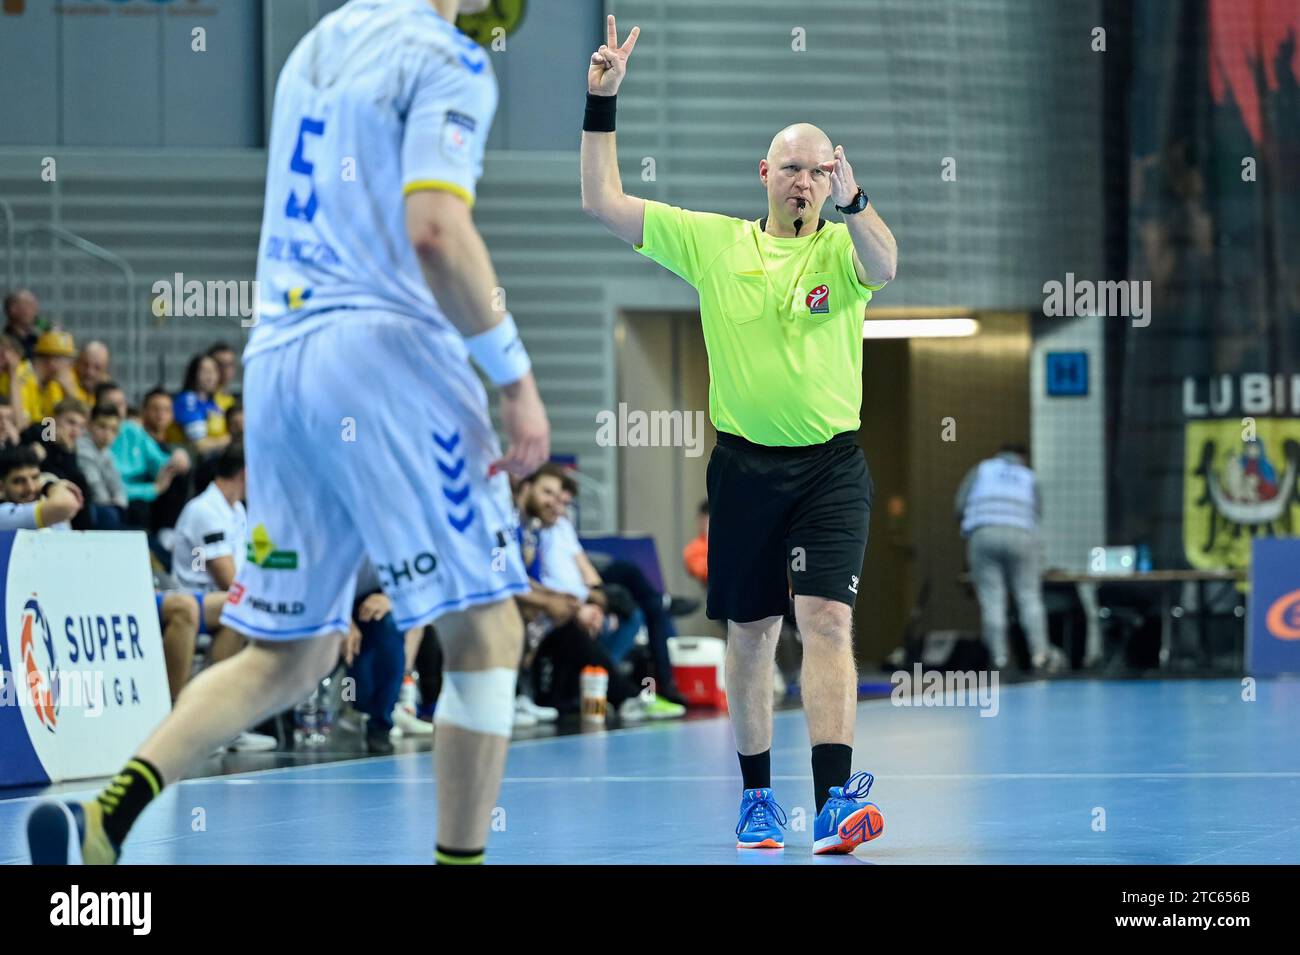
<point x="81" y="658"/>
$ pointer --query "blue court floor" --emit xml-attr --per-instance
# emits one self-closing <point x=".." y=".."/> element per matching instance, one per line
<point x="1067" y="772"/>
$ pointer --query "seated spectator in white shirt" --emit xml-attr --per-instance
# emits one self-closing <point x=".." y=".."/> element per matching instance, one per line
<point x="212" y="532"/>
<point x="210" y="545"/>
<point x="211" y="541"/>
<point x="32" y="500"/>
<point x="565" y="566"/>
<point x="95" y="458"/>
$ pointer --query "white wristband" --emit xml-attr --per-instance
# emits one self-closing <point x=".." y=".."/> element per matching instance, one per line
<point x="500" y="352"/>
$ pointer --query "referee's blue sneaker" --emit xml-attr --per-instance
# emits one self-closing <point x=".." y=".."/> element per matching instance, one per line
<point x="761" y="821"/>
<point x="847" y="821"/>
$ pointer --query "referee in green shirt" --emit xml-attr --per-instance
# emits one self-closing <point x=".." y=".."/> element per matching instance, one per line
<point x="781" y="301"/>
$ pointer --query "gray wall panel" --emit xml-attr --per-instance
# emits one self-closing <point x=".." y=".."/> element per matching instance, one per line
<point x="29" y="57"/>
<point x="111" y="80"/>
<point x="122" y="73"/>
<point x="213" y="98"/>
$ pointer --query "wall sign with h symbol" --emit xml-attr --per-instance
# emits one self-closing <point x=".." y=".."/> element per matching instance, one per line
<point x="1067" y="374"/>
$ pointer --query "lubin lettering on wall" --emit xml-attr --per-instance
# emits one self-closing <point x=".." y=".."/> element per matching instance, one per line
<point x="1253" y="393"/>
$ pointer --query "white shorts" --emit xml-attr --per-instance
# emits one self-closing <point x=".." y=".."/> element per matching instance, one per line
<point x="369" y="435"/>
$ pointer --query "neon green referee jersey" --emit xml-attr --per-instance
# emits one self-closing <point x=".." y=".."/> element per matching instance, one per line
<point x="782" y="322"/>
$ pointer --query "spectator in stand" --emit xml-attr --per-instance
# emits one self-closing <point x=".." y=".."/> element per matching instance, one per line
<point x="561" y="651"/>
<point x="235" y="428"/>
<point x="210" y="545"/>
<point x="178" y="618"/>
<point x="199" y="422"/>
<point x="564" y="566"/>
<point x="95" y="458"/>
<point x="9" y="437"/>
<point x="111" y="393"/>
<point x="90" y="371"/>
<point x="569" y="592"/>
<point x="185" y="615"/>
<point x="375" y="653"/>
<point x="543" y="610"/>
<point x="52" y="362"/>
<point x="696" y="554"/>
<point x="35" y="387"/>
<point x="29" y="501"/>
<point x="212" y="534"/>
<point x="227" y="368"/>
<point x="235" y="421"/>
<point x="18" y="382"/>
<point x="621" y="585"/>
<point x="22" y="319"/>
<point x="156" y="417"/>
<point x="58" y="450"/>
<point x="154" y="478"/>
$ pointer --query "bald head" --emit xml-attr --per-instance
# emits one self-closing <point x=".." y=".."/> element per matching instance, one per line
<point x="797" y="184"/>
<point x="92" y="365"/>
<point x="800" y="137"/>
<point x="21" y="308"/>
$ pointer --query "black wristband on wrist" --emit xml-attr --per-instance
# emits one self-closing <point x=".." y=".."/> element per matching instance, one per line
<point x="599" y="117"/>
<point x="856" y="204"/>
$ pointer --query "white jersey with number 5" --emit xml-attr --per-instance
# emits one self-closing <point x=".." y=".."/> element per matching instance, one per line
<point x="380" y="99"/>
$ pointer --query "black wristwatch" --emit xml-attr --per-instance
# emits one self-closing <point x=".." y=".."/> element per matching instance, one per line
<point x="857" y="205"/>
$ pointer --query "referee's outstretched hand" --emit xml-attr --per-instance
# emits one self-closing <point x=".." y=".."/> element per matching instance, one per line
<point x="609" y="63"/>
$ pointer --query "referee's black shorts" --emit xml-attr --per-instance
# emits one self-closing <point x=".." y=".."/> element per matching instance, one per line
<point x="785" y="520"/>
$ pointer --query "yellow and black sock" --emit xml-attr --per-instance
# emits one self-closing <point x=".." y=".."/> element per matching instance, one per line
<point x="125" y="797"/>
<point x="458" y="856"/>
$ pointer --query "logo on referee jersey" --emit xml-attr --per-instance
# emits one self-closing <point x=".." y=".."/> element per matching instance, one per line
<point x="819" y="300"/>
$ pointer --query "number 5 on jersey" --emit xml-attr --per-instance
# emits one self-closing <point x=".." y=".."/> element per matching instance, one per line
<point x="295" y="208"/>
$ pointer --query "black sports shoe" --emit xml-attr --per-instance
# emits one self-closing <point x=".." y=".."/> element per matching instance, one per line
<point x="680" y="606"/>
<point x="377" y="741"/>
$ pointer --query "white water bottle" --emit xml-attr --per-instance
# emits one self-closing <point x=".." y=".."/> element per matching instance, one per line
<point x="593" y="686"/>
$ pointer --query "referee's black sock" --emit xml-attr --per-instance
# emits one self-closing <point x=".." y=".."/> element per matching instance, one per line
<point x="832" y="764"/>
<point x="443" y="856"/>
<point x="756" y="770"/>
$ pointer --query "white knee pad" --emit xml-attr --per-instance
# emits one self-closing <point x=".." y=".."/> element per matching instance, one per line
<point x="482" y="701"/>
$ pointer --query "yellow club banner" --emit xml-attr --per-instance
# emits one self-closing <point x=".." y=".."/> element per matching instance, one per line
<point x="1240" y="483"/>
